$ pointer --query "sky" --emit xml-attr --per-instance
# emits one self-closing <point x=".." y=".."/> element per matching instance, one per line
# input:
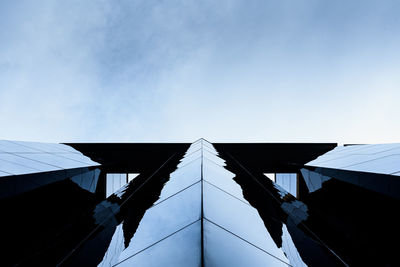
<point x="175" y="71"/>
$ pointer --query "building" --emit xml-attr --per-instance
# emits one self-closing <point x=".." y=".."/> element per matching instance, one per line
<point x="199" y="204"/>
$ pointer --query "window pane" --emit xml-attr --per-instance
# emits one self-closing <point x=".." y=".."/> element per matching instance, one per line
<point x="11" y="147"/>
<point x="239" y="218"/>
<point x="182" y="178"/>
<point x="56" y="160"/>
<point x="287" y="181"/>
<point x="221" y="178"/>
<point x="189" y="158"/>
<point x="165" y="218"/>
<point x="180" y="249"/>
<point x="213" y="157"/>
<point x="15" y="169"/>
<point x="225" y="249"/>
<point x="33" y="164"/>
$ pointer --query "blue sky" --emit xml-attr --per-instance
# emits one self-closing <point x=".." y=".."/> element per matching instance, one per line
<point x="244" y="71"/>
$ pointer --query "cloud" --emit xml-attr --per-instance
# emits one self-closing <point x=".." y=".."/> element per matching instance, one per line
<point x="176" y="71"/>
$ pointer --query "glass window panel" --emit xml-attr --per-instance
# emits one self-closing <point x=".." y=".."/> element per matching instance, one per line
<point x="180" y="249"/>
<point x="385" y="165"/>
<point x="207" y="144"/>
<point x="336" y="153"/>
<point x="59" y="148"/>
<point x="225" y="249"/>
<point x="197" y="142"/>
<point x="290" y="249"/>
<point x="28" y="162"/>
<point x="4" y="173"/>
<point x="43" y="147"/>
<point x="376" y="149"/>
<point x="221" y="178"/>
<point x="287" y="181"/>
<point x="313" y="179"/>
<point x="80" y="158"/>
<point x="87" y="180"/>
<point x="67" y="148"/>
<point x="379" y="148"/>
<point x="51" y="177"/>
<point x="293" y="185"/>
<point x="115" y="247"/>
<point x="34" y="148"/>
<point x="109" y="184"/>
<point x="210" y="149"/>
<point x="193" y="147"/>
<point x="239" y="218"/>
<point x="10" y="147"/>
<point x="55" y="160"/>
<point x="341" y="157"/>
<point x="114" y="181"/>
<point x="189" y="158"/>
<point x="217" y="160"/>
<point x="15" y="169"/>
<point x="345" y="161"/>
<point x="182" y="178"/>
<point x="165" y="218"/>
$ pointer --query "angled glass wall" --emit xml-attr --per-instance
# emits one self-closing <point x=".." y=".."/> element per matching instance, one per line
<point x="25" y="166"/>
<point x="201" y="217"/>
<point x="17" y="158"/>
<point x="115" y="181"/>
<point x="351" y="193"/>
<point x="201" y="207"/>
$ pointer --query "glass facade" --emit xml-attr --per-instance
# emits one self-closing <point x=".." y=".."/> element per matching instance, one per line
<point x="287" y="181"/>
<point x="17" y="158"/>
<point x="201" y="204"/>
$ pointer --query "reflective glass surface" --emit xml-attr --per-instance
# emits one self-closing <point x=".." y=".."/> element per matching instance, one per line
<point x="313" y="180"/>
<point x="15" y="168"/>
<point x="193" y="147"/>
<point x="221" y="178"/>
<point x="87" y="180"/>
<point x="44" y="147"/>
<point x="199" y="208"/>
<point x="182" y="178"/>
<point x="165" y="218"/>
<point x="213" y="157"/>
<point x="287" y="181"/>
<point x="290" y="249"/>
<point x="385" y="165"/>
<point x="207" y="144"/>
<point x="239" y="218"/>
<point x="222" y="248"/>
<point x="114" y="181"/>
<point x="4" y="173"/>
<point x="29" y="163"/>
<point x="56" y="160"/>
<point x="377" y="158"/>
<point x="358" y="204"/>
<point x="190" y="157"/>
<point x="18" y="157"/>
<point x="13" y="147"/>
<point x="183" y="248"/>
<point x="116" y="246"/>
